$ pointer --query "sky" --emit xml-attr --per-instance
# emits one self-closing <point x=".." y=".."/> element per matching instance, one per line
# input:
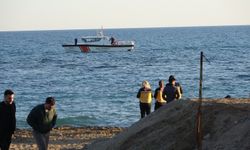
<point x="16" y="15"/>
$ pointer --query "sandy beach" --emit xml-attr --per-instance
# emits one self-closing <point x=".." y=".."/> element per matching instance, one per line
<point x="225" y="124"/>
<point x="64" y="138"/>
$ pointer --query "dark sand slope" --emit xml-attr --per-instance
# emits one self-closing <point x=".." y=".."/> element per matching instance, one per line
<point x="226" y="126"/>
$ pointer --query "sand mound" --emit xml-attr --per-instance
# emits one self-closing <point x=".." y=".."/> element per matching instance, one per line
<point x="225" y="124"/>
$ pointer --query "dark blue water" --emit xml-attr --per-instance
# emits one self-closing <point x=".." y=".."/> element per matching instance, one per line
<point x="100" y="88"/>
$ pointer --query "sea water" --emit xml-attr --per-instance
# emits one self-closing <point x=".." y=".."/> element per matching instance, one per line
<point x="99" y="89"/>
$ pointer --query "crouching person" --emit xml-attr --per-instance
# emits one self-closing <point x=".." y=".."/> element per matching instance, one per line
<point x="42" y="119"/>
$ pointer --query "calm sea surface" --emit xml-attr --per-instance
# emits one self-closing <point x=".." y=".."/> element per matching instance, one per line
<point x="100" y="88"/>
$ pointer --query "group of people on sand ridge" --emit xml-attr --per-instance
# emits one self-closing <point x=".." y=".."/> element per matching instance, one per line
<point x="162" y="95"/>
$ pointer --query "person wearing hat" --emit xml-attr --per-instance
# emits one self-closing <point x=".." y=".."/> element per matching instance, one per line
<point x="145" y="96"/>
<point x="42" y="119"/>
<point x="171" y="91"/>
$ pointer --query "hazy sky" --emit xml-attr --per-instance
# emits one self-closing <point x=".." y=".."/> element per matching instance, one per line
<point x="92" y="14"/>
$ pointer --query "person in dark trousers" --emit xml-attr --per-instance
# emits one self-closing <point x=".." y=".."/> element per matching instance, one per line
<point x="159" y="101"/>
<point x="42" y="119"/>
<point x="75" y="41"/>
<point x="145" y="96"/>
<point x="7" y="119"/>
<point x="112" y="39"/>
<point x="171" y="91"/>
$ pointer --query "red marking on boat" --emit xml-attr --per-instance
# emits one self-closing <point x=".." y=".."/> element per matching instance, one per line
<point x="84" y="49"/>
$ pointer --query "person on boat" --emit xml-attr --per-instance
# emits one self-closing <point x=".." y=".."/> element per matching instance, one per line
<point x="75" y="41"/>
<point x="145" y="98"/>
<point x="171" y="91"/>
<point x="159" y="101"/>
<point x="7" y="119"/>
<point x="112" y="39"/>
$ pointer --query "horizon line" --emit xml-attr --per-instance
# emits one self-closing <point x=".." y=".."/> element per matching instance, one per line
<point x="113" y="28"/>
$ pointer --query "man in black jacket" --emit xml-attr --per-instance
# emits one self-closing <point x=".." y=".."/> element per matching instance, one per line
<point x="7" y="119"/>
<point x="42" y="119"/>
<point x="171" y="91"/>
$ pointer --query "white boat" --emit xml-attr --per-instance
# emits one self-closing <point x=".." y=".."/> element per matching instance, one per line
<point x="100" y="43"/>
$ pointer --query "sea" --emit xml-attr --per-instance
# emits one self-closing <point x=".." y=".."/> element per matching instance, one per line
<point x="99" y="89"/>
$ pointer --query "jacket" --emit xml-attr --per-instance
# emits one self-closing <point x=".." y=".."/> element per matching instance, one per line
<point x="145" y="95"/>
<point x="7" y="118"/>
<point x="170" y="93"/>
<point x="40" y="120"/>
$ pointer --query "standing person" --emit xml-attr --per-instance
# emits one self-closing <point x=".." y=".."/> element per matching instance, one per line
<point x="42" y="119"/>
<point x="112" y="39"/>
<point x="145" y="96"/>
<point x="75" y="41"/>
<point x="158" y="95"/>
<point x="171" y="92"/>
<point x="7" y="119"/>
<point x="179" y="88"/>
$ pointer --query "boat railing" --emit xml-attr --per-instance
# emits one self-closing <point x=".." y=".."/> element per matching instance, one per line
<point x="125" y="42"/>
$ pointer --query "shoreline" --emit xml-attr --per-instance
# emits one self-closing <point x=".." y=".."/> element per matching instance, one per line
<point x="64" y="137"/>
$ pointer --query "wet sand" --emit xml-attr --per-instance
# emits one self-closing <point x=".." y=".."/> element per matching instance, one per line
<point x="64" y="137"/>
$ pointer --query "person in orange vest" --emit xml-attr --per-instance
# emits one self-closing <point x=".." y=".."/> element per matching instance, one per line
<point x="159" y="101"/>
<point x="145" y="97"/>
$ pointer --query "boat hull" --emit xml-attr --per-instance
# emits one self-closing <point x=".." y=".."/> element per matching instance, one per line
<point x="98" y="48"/>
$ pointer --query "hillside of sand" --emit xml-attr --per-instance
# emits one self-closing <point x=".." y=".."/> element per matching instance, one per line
<point x="225" y="126"/>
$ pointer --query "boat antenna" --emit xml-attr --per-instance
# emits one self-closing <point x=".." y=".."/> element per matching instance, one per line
<point x="100" y="32"/>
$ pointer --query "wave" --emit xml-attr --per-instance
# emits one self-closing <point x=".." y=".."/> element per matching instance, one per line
<point x="78" y="121"/>
<point x="244" y="76"/>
